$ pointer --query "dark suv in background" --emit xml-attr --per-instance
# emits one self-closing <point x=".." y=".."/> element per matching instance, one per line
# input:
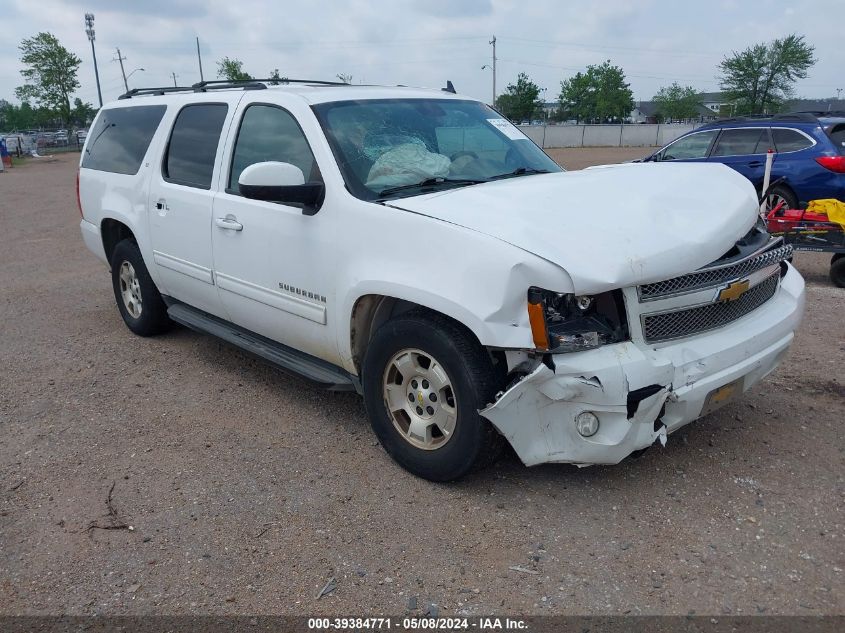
<point x="809" y="153"/>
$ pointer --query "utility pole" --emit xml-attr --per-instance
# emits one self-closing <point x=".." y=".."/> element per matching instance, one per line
<point x="122" y="71"/>
<point x="493" y="42"/>
<point x="199" y="58"/>
<point x="174" y="79"/>
<point x="89" y="31"/>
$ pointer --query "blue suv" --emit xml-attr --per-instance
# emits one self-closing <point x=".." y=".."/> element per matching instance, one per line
<point x="809" y="153"/>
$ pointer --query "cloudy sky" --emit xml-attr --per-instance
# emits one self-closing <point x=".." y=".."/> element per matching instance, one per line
<point x="424" y="42"/>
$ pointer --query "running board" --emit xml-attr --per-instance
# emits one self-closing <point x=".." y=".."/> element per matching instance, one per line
<point x="284" y="357"/>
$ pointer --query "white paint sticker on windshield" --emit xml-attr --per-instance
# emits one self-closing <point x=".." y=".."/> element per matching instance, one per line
<point x="507" y="128"/>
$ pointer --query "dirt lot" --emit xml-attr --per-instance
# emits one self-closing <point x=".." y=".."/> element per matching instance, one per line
<point x="247" y="489"/>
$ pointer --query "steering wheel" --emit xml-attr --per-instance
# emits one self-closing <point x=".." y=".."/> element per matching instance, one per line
<point x="457" y="155"/>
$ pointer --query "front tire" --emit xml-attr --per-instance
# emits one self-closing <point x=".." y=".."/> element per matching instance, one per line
<point x="425" y="379"/>
<point x="137" y="297"/>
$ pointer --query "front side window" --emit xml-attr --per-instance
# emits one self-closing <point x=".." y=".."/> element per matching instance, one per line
<point x="269" y="133"/>
<point x="120" y="138"/>
<point x="397" y="147"/>
<point x="692" y="146"/>
<point x="790" y="140"/>
<point x="742" y="142"/>
<point x="193" y="145"/>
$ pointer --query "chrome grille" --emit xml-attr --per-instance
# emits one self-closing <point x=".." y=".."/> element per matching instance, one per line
<point x="713" y="276"/>
<point x="663" y="326"/>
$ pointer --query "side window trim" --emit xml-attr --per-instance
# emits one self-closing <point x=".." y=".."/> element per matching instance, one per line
<point x="690" y="135"/>
<point x="89" y="161"/>
<point x="166" y="153"/>
<point x="730" y="129"/>
<point x="239" y="120"/>
<point x="812" y="144"/>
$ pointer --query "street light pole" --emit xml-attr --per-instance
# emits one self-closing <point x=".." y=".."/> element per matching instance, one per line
<point x="129" y="76"/>
<point x="89" y="31"/>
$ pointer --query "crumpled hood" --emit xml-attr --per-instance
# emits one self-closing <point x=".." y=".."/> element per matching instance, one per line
<point x="611" y="226"/>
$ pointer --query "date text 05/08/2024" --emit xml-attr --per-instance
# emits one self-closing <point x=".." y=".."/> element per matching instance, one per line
<point x="416" y="624"/>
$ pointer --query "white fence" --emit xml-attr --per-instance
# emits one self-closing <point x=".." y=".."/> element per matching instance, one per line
<point x="635" y="135"/>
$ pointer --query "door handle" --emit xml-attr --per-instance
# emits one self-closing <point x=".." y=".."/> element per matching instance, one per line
<point x="230" y="223"/>
<point x="755" y="163"/>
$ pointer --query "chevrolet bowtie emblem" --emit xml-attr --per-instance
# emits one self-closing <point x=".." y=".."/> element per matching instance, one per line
<point x="734" y="291"/>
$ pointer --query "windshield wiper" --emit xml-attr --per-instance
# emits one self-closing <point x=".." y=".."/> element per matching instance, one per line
<point x="430" y="183"/>
<point x="520" y="171"/>
<point x="91" y="145"/>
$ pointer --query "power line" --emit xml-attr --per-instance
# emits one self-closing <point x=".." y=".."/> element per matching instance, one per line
<point x="597" y="48"/>
<point x="627" y="74"/>
<point x="312" y="43"/>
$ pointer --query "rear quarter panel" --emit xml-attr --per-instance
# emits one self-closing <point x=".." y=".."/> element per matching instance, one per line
<point x="124" y="197"/>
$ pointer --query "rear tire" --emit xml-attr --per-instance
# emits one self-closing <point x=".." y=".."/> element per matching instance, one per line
<point x="781" y="193"/>
<point x="425" y="378"/>
<point x="137" y="297"/>
<point x="837" y="271"/>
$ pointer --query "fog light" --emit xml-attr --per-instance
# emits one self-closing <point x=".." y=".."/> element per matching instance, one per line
<point x="587" y="423"/>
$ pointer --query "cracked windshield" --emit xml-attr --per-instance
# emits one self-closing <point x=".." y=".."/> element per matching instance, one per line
<point x="404" y="147"/>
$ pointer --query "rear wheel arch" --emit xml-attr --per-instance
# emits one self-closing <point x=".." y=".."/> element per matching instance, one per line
<point x="784" y="191"/>
<point x="113" y="232"/>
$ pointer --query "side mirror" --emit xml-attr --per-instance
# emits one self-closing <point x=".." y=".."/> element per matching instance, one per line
<point x="274" y="181"/>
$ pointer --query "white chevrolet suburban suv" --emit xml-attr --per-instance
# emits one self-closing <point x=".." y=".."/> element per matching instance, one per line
<point x="414" y="246"/>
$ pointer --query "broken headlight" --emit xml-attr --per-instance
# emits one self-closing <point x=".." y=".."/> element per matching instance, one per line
<point x="562" y="322"/>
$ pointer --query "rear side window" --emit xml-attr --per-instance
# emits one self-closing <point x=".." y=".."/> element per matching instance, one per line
<point x="121" y="137"/>
<point x="269" y="133"/>
<point x="790" y="140"/>
<point x="193" y="145"/>
<point x="837" y="135"/>
<point x="742" y="142"/>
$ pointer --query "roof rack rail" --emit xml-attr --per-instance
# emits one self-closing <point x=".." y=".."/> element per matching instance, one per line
<point x="807" y="117"/>
<point x="823" y="113"/>
<point x="795" y="116"/>
<point x="221" y="84"/>
<point x="153" y="91"/>
<point x="201" y="86"/>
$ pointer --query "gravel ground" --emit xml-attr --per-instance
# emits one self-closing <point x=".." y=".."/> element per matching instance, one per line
<point x="247" y="490"/>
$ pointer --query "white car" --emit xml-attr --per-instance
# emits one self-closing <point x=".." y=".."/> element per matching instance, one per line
<point x="417" y="248"/>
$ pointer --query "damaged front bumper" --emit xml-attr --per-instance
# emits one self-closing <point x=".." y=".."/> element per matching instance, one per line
<point x="641" y="393"/>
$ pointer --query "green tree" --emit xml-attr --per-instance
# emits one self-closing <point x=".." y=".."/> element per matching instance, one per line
<point x="760" y="78"/>
<point x="276" y="78"/>
<point x="50" y="74"/>
<point x="598" y="95"/>
<point x="82" y="114"/>
<point x="577" y="97"/>
<point x="614" y="99"/>
<point x="232" y="69"/>
<point x="519" y="102"/>
<point x="677" y="102"/>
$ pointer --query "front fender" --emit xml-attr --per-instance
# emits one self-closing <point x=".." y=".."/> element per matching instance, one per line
<point x="479" y="281"/>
